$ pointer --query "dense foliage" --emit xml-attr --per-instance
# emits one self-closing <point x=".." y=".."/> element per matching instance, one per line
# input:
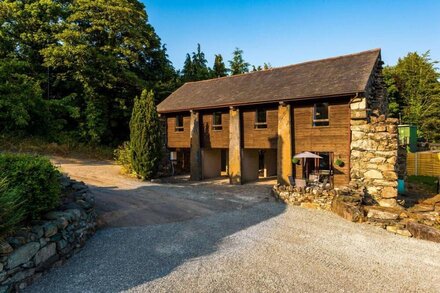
<point x="29" y="187"/>
<point x="413" y="88"/>
<point x="145" y="136"/>
<point x="20" y="97"/>
<point x="12" y="209"/>
<point x="80" y="63"/>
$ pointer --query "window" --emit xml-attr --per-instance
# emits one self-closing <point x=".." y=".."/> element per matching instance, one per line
<point x="320" y="114"/>
<point x="325" y="162"/>
<point x="217" y="121"/>
<point x="260" y="118"/>
<point x="179" y="123"/>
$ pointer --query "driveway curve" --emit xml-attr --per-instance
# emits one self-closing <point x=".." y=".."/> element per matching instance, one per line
<point x="185" y="237"/>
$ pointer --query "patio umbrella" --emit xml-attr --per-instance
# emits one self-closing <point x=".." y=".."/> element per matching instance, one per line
<point x="305" y="156"/>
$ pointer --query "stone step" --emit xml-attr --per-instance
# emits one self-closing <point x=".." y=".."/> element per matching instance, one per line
<point x="418" y="208"/>
<point x="382" y="213"/>
<point x="424" y="232"/>
<point x="432" y="200"/>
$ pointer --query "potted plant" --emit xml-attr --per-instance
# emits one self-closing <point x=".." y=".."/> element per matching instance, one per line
<point x="295" y="161"/>
<point x="339" y="163"/>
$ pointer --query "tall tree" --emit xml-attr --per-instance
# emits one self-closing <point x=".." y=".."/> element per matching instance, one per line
<point x="188" y="70"/>
<point x="200" y="66"/>
<point x="26" y="28"/>
<point x="195" y="67"/>
<point x="414" y="89"/>
<point x="145" y="136"/>
<point x="109" y="48"/>
<point x="395" y="101"/>
<point x="237" y="64"/>
<point x="89" y="57"/>
<point x="219" y="69"/>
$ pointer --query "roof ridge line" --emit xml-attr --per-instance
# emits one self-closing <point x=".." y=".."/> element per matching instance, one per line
<point x="281" y="67"/>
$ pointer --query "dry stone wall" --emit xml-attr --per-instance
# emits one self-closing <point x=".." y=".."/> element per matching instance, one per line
<point x="375" y="162"/>
<point x="26" y="255"/>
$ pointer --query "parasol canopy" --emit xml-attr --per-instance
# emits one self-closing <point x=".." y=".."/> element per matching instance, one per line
<point x="307" y="155"/>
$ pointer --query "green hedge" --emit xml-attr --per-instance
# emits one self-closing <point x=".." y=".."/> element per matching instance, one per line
<point x="12" y="208"/>
<point x="29" y="186"/>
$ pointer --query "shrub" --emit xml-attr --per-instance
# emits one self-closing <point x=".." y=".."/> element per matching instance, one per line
<point x="33" y="179"/>
<point x="122" y="157"/>
<point x="12" y="208"/>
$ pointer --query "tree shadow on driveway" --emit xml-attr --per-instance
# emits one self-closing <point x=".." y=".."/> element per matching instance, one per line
<point x="178" y="224"/>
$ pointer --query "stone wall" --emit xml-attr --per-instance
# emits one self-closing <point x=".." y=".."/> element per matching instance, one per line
<point x="374" y="159"/>
<point x="375" y="93"/>
<point x="310" y="197"/>
<point x="31" y="251"/>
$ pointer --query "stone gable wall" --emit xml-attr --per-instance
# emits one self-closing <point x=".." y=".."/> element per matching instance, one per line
<point x="376" y="160"/>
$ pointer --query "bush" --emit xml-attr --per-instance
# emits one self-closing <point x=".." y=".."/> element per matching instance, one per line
<point x="32" y="179"/>
<point x="122" y="157"/>
<point x="12" y="208"/>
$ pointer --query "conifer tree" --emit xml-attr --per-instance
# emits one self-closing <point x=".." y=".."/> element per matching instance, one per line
<point x="145" y="136"/>
<point x="219" y="69"/>
<point x="195" y="68"/>
<point x="237" y="64"/>
<point x="188" y="71"/>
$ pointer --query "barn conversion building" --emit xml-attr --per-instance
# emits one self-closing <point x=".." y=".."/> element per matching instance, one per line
<point x="251" y="125"/>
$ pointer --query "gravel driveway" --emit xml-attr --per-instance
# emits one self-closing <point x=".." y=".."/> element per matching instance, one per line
<point x="184" y="237"/>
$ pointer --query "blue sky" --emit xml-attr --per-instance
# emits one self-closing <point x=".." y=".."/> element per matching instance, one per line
<point x="287" y="32"/>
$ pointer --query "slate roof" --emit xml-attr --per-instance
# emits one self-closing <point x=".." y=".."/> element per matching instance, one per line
<point x="337" y="76"/>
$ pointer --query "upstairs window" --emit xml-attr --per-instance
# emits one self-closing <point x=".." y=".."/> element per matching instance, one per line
<point x="320" y="114"/>
<point x="179" y="123"/>
<point x="260" y="119"/>
<point x="217" y="121"/>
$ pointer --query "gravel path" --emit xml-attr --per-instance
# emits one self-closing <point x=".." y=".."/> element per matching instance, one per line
<point x="250" y="246"/>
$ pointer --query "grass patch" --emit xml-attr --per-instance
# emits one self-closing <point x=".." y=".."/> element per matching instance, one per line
<point x="70" y="148"/>
<point x="426" y="182"/>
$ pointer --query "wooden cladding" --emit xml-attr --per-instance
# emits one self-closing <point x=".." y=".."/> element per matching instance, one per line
<point x="334" y="138"/>
<point x="257" y="137"/>
<point x="180" y="138"/>
<point x="215" y="135"/>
